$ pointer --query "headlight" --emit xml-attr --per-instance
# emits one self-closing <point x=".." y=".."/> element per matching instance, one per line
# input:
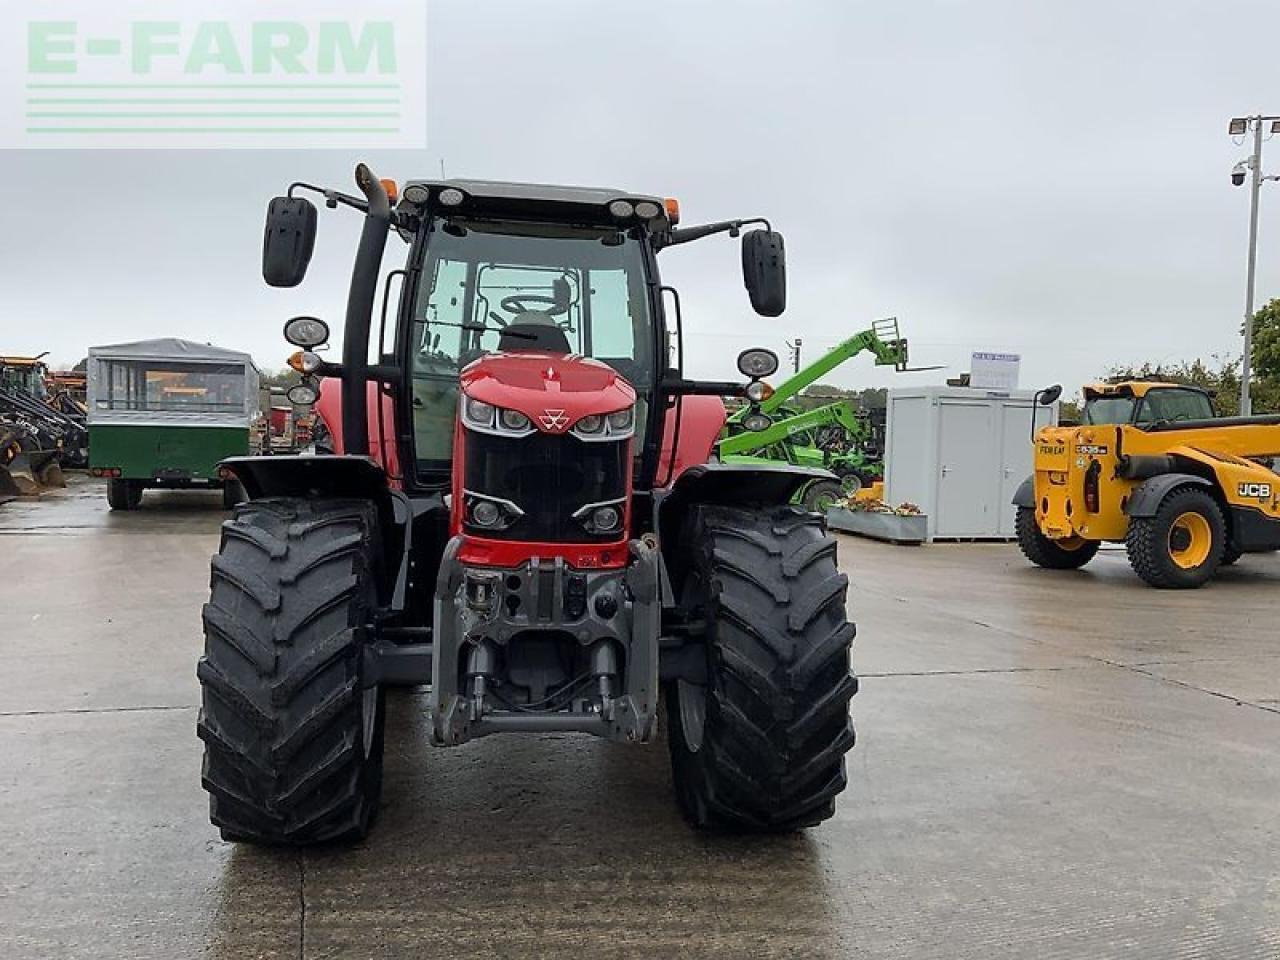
<point x="304" y="361"/>
<point x="605" y="519"/>
<point x="478" y="413"/>
<point x="306" y="332"/>
<point x="451" y="197"/>
<point x="515" y="420"/>
<point x="757" y="363"/>
<point x="647" y="209"/>
<point x="757" y="390"/>
<point x="487" y="418"/>
<point x="622" y="209"/>
<point x="303" y="394"/>
<point x="612" y="426"/>
<point x="486" y="513"/>
<point x="601" y="517"/>
<point x="757" y="422"/>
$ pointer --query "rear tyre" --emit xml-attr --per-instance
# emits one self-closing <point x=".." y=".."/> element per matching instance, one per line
<point x="1230" y="555"/>
<point x="821" y="495"/>
<point x="124" y="494"/>
<point x="293" y="736"/>
<point x="1182" y="545"/>
<point x="760" y="746"/>
<point x="1051" y="554"/>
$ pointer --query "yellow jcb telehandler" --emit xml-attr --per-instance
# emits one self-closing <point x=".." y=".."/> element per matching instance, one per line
<point x="1152" y="466"/>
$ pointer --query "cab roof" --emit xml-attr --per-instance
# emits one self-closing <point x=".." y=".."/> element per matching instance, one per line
<point x="502" y="198"/>
<point x="1134" y="388"/>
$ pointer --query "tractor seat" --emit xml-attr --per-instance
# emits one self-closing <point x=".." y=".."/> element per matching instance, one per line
<point x="542" y="337"/>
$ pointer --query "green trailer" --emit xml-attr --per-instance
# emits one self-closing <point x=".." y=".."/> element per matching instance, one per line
<point x="163" y="413"/>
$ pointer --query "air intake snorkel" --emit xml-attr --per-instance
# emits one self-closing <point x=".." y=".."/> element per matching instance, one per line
<point x="359" y="319"/>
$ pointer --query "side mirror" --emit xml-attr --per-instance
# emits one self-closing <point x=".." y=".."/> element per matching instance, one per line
<point x="764" y="271"/>
<point x="1049" y="395"/>
<point x="288" y="241"/>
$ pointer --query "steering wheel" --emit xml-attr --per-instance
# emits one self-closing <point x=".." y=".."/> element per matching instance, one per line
<point x="527" y="302"/>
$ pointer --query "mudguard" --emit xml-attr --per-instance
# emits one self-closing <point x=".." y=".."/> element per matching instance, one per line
<point x="1026" y="494"/>
<point x="1148" y="496"/>
<point x="328" y="475"/>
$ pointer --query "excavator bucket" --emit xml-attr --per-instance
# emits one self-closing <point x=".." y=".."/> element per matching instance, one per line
<point x="47" y="468"/>
<point x="19" y="478"/>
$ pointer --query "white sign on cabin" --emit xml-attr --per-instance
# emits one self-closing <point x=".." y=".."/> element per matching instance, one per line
<point x="994" y="371"/>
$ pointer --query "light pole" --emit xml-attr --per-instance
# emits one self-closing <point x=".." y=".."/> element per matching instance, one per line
<point x="1239" y="127"/>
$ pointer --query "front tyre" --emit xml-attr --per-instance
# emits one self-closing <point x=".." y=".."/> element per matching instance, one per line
<point x="292" y="733"/>
<point x="1182" y="545"/>
<point x="1051" y="554"/>
<point x="760" y="746"/>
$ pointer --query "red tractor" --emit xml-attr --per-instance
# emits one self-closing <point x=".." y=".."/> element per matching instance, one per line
<point x="537" y="530"/>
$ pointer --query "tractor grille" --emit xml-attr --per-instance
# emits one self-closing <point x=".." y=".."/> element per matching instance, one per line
<point x="549" y="478"/>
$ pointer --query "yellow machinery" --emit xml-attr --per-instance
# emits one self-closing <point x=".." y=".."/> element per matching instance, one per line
<point x="1152" y="466"/>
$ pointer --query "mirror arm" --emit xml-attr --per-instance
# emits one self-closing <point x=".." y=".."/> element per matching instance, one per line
<point x="331" y="197"/>
<point x="732" y="227"/>
<point x="680" y="387"/>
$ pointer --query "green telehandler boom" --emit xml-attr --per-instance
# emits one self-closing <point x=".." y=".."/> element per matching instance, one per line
<point x="792" y="436"/>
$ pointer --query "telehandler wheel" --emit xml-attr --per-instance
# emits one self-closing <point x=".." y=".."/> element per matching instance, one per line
<point x="1182" y="546"/>
<point x="1230" y="555"/>
<point x="124" y="494"/>
<point x="821" y="495"/>
<point x="1051" y="554"/>
<point x="293" y="737"/>
<point x="760" y="747"/>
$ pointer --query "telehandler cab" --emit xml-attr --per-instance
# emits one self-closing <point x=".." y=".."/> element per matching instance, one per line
<point x="1154" y="467"/>
<point x="535" y="531"/>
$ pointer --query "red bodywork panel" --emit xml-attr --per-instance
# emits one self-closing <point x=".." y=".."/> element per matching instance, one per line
<point x="382" y="444"/>
<point x="701" y="420"/>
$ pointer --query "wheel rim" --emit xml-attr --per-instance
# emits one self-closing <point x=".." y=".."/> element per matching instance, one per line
<point x="1071" y="544"/>
<point x="850" y="484"/>
<point x="693" y="713"/>
<point x="1190" y="540"/>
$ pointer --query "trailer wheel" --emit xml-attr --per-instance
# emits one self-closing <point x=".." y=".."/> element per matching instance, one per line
<point x="760" y="746"/>
<point x="1051" y="554"/>
<point x="124" y="494"/>
<point x="293" y="736"/>
<point x="1182" y="545"/>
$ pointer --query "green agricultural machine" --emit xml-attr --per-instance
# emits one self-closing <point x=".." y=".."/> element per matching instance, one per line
<point x="836" y="437"/>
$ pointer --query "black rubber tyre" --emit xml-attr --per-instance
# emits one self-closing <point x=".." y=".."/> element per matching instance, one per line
<point x="761" y="746"/>
<point x="1230" y="555"/>
<point x="821" y="495"/>
<point x="124" y="494"/>
<point x="293" y="739"/>
<point x="232" y="494"/>
<point x="1152" y="541"/>
<point x="1051" y="554"/>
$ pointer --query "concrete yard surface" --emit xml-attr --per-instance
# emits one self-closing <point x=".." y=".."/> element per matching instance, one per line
<point x="1048" y="765"/>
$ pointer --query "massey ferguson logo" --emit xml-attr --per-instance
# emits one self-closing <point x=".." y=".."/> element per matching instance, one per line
<point x="1255" y="491"/>
<point x="554" y="419"/>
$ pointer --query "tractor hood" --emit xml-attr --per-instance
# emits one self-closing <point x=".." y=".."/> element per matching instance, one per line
<point x="553" y="390"/>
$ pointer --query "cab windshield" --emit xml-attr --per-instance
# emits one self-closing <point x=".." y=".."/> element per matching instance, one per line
<point x="576" y="289"/>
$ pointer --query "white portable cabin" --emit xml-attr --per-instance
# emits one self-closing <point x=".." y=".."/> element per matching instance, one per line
<point x="960" y="454"/>
<point x="122" y="379"/>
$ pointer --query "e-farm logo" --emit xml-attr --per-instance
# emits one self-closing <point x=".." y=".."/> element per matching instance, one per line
<point x="215" y="74"/>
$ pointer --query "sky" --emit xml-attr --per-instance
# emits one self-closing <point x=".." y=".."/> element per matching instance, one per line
<point x="1044" y="178"/>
